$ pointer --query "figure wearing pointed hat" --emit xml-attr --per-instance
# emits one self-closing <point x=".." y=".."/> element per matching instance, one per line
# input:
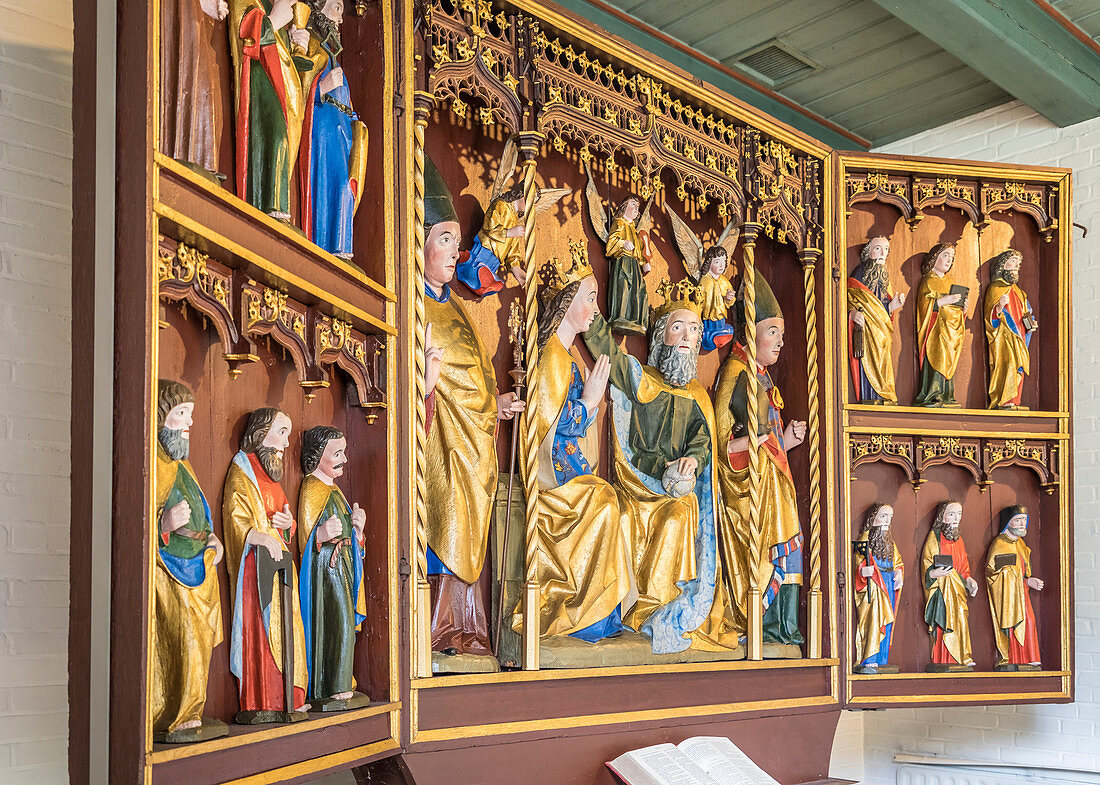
<point x="460" y="452"/>
<point x="779" y="569"/>
<point x="584" y="569"/>
<point x="1008" y="575"/>
<point x="664" y="445"/>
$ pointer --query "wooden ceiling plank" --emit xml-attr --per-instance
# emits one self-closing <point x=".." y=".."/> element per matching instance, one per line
<point x="914" y="85"/>
<point x="777" y="20"/>
<point x="943" y="108"/>
<point x="1016" y="44"/>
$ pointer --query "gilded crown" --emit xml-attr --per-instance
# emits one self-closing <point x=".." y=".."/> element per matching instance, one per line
<point x="555" y="276"/>
<point x="682" y="294"/>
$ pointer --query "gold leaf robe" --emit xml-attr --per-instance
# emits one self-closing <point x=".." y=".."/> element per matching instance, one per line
<point x="1009" y="359"/>
<point x="1014" y="625"/>
<point x="939" y="330"/>
<point x="877" y="364"/>
<point x="502" y="216"/>
<point x="715" y="290"/>
<point x="874" y="609"/>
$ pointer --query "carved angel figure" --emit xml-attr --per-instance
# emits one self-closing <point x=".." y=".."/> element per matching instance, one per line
<point x="707" y="268"/>
<point x="500" y="241"/>
<point x="626" y="235"/>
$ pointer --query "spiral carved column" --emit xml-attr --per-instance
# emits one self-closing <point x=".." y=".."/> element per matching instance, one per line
<point x="809" y="259"/>
<point x="754" y="604"/>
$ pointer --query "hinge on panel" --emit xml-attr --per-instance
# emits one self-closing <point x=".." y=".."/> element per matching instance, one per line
<point x="840" y="579"/>
<point x="404" y="569"/>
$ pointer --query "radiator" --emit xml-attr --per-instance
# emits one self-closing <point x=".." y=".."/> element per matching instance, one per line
<point x="916" y="770"/>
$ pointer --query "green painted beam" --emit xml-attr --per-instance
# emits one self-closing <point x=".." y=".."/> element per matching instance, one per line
<point x="636" y="32"/>
<point x="1016" y="45"/>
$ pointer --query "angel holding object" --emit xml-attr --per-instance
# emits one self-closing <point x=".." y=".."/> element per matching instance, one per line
<point x="707" y="268"/>
<point x="626" y="237"/>
<point x="500" y="241"/>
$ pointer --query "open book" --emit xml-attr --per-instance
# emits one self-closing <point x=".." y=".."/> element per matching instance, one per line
<point x="700" y="760"/>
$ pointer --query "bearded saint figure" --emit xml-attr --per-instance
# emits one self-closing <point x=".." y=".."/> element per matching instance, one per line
<point x="1009" y="323"/>
<point x="947" y="587"/>
<point x="871" y="309"/>
<point x="879" y="575"/>
<point x="1008" y="574"/>
<point x="664" y="442"/>
<point x="187" y="616"/>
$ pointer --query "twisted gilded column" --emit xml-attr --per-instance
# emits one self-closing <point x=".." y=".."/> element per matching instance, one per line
<point x="809" y="258"/>
<point x="421" y="594"/>
<point x="754" y="603"/>
<point x="530" y="143"/>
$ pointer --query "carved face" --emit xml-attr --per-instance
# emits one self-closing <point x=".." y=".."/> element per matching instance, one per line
<point x="718" y="265"/>
<point x="334" y="10"/>
<point x="278" y="436"/>
<point x="1017" y="525"/>
<point x="631" y="209"/>
<point x="333" y="459"/>
<point x="945" y="260"/>
<point x="952" y="516"/>
<point x="583" y="308"/>
<point x="441" y="254"/>
<point x="879" y="249"/>
<point x="1012" y="264"/>
<point x="883" y="517"/>
<point x="179" y="419"/>
<point x="684" y="331"/>
<point x="769" y="340"/>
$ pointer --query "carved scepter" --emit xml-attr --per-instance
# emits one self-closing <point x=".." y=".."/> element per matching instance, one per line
<point x="519" y="377"/>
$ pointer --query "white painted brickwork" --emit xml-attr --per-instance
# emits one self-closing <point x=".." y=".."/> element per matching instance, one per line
<point x="36" y="41"/>
<point x="1063" y="736"/>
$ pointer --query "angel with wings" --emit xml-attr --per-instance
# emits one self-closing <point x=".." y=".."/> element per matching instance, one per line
<point x="626" y="235"/>
<point x="707" y="268"/>
<point x="500" y="241"/>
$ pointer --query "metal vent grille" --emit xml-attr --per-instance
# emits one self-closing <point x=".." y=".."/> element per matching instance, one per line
<point x="777" y="62"/>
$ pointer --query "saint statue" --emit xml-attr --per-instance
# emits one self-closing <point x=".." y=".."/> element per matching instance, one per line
<point x="941" y="309"/>
<point x="460" y="454"/>
<point x="265" y="36"/>
<point x="871" y="309"/>
<point x="584" y="569"/>
<point x="947" y="588"/>
<point x="877" y="582"/>
<point x="334" y="603"/>
<point x="191" y="113"/>
<point x="187" y="614"/>
<point x="1008" y="574"/>
<point x="333" y="160"/>
<point x="258" y="528"/>
<point x="779" y="570"/>
<point x="708" y="269"/>
<point x="1009" y="323"/>
<point x="664" y="443"/>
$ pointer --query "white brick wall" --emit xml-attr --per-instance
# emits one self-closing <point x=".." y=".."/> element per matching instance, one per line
<point x="35" y="266"/>
<point x="1062" y="736"/>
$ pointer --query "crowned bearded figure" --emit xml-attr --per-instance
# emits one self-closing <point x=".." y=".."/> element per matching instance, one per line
<point x="871" y="309"/>
<point x="1010" y="580"/>
<point x="1009" y="323"/>
<point x="333" y="158"/>
<point x="584" y="570"/>
<point x="664" y="442"/>
<point x="778" y="568"/>
<point x="187" y="616"/>
<point x="948" y="586"/>
<point x="258" y="529"/>
<point x="877" y="584"/>
<point x="334" y="603"/>
<point x="460" y="455"/>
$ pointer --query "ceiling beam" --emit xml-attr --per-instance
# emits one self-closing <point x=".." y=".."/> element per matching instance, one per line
<point x="1025" y="47"/>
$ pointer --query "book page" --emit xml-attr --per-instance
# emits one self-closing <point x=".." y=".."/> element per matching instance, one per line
<point x="661" y="764"/>
<point x="724" y="761"/>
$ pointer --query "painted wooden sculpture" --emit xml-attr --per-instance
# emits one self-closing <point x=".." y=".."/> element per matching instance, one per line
<point x="1009" y="325"/>
<point x="1011" y="581"/>
<point x="941" y="311"/>
<point x="879" y="574"/>
<point x="872" y="305"/>
<point x="948" y="586"/>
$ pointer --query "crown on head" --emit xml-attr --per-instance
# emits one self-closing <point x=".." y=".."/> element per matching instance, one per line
<point x="682" y="294"/>
<point x="555" y="276"/>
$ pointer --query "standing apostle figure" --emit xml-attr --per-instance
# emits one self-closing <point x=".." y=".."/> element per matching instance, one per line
<point x="1009" y="323"/>
<point x="1008" y="574"/>
<point x="330" y="540"/>
<point x="877" y="584"/>
<point x="948" y="586"/>
<point x="187" y="616"/>
<point x="940" y="329"/>
<point x="460" y="452"/>
<point x="258" y="528"/>
<point x="779" y="570"/>
<point x="871" y="309"/>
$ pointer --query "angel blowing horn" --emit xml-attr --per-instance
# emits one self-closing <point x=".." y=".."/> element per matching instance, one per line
<point x="707" y="268"/>
<point x="500" y="241"/>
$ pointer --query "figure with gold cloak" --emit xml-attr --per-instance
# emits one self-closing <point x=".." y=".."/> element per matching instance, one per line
<point x="334" y="603"/>
<point x="871" y="308"/>
<point x="879" y="575"/>
<point x="941" y="309"/>
<point x="584" y="570"/>
<point x="460" y="454"/>
<point x="258" y="528"/>
<point x="265" y="37"/>
<point x="187" y="615"/>
<point x="779" y="569"/>
<point x="1009" y="323"/>
<point x="948" y="586"/>
<point x="1009" y="577"/>
<point x="664" y="442"/>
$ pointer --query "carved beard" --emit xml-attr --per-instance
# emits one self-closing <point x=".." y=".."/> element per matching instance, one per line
<point x="272" y="461"/>
<point x="882" y="543"/>
<point x="876" y="278"/>
<point x="950" y="532"/>
<point x="677" y="368"/>
<point x="328" y="31"/>
<point x="174" y="443"/>
<point x="1010" y="277"/>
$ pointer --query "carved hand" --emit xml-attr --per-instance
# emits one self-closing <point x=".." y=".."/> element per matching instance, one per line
<point x="215" y="9"/>
<point x="175" y="517"/>
<point x="213" y="542"/>
<point x="282" y="519"/>
<point x="795" y="434"/>
<point x="948" y="299"/>
<point x="628" y="245"/>
<point x="596" y="383"/>
<point x="331" y="529"/>
<point x="1035" y="583"/>
<point x="272" y="543"/>
<point x="300" y="38"/>
<point x="646" y="267"/>
<point x="334" y="79"/>
<point x="685" y="466"/>
<point x="897" y="302"/>
<point x="857" y="317"/>
<point x="508" y="406"/>
<point x="520" y="274"/>
<point x="731" y="297"/>
<point x="866" y="572"/>
<point x="433" y="362"/>
<point x="358" y="518"/>
<point x="939" y="572"/>
<point x="972" y="586"/>
<point x="517" y="231"/>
